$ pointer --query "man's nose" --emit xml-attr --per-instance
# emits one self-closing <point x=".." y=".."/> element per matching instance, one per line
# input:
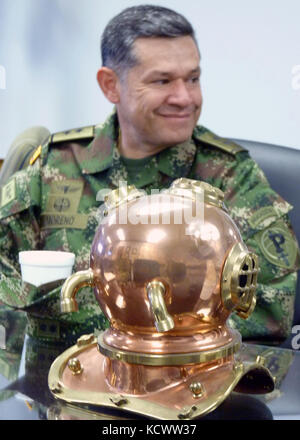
<point x="180" y="94"/>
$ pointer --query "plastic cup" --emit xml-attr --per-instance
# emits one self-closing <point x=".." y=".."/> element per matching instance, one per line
<point x="41" y="267"/>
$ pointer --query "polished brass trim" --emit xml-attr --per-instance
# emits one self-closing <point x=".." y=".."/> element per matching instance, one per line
<point x="119" y="400"/>
<point x="169" y="359"/>
<point x="70" y="288"/>
<point x="193" y="188"/>
<point x="187" y="412"/>
<point x="138" y="405"/>
<point x="85" y="340"/>
<point x="234" y="297"/>
<point x="162" y="319"/>
<point x="61" y="410"/>
<point x="121" y="195"/>
<point x="260" y="360"/>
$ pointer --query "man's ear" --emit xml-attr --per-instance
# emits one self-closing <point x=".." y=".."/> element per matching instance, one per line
<point x="108" y="81"/>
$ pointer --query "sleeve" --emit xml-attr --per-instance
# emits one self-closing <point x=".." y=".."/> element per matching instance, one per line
<point x="262" y="217"/>
<point x="19" y="230"/>
<point x="20" y="212"/>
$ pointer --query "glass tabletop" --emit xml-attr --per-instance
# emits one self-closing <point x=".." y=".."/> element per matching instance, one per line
<point x="24" y="392"/>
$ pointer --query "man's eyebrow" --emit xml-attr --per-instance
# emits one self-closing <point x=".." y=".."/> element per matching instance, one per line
<point x="166" y="73"/>
<point x="158" y="73"/>
<point x="196" y="70"/>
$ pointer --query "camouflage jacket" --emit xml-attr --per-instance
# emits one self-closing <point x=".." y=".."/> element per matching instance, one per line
<point x="52" y="205"/>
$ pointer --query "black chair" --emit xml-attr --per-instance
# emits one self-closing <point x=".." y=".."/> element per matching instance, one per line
<point x="281" y="166"/>
<point x="21" y="150"/>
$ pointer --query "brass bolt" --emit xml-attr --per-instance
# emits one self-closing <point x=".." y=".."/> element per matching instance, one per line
<point x="75" y="366"/>
<point x="197" y="389"/>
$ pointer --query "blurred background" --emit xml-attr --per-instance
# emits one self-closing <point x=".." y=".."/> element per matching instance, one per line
<point x="49" y="56"/>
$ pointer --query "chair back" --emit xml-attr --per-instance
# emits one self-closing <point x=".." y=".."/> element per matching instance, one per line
<point x="281" y="166"/>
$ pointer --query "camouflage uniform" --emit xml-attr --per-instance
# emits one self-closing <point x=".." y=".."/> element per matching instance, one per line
<point x="52" y="205"/>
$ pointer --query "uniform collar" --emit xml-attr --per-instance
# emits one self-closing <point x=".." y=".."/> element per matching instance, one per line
<point x="98" y="155"/>
<point x="177" y="161"/>
<point x="102" y="154"/>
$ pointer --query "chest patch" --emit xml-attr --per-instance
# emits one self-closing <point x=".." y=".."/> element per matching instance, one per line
<point x="62" y="206"/>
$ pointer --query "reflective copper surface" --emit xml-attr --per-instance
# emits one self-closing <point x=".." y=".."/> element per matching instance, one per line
<point x="125" y="378"/>
<point x="162" y="393"/>
<point x="159" y="272"/>
<point x="165" y="343"/>
<point x="125" y="258"/>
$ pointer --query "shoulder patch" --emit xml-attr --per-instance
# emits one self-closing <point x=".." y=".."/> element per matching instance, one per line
<point x="73" y="135"/>
<point x="223" y="144"/>
<point x="8" y="192"/>
<point x="278" y="245"/>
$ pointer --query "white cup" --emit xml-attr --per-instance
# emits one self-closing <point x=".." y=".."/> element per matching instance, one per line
<point x="41" y="267"/>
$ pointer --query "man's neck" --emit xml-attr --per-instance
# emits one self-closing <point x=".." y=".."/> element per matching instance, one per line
<point x="136" y="150"/>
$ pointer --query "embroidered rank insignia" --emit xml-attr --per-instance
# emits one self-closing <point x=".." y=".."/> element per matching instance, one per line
<point x="263" y="216"/>
<point x="73" y="135"/>
<point x="222" y="143"/>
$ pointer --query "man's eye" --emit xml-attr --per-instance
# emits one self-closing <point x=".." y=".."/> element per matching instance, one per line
<point x="194" y="79"/>
<point x="161" y="82"/>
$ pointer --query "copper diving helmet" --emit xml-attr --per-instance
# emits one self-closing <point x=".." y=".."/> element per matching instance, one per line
<point x="167" y="270"/>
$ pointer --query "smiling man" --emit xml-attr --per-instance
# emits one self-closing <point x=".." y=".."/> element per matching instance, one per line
<point x="159" y="101"/>
<point x="151" y="73"/>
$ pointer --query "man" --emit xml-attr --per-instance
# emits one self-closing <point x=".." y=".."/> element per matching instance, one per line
<point x="151" y="74"/>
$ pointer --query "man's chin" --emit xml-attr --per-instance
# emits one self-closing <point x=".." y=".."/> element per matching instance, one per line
<point x="177" y="138"/>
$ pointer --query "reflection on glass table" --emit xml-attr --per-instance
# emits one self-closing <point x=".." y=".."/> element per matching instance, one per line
<point x="24" y="392"/>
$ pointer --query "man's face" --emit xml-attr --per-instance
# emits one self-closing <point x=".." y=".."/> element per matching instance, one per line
<point x="160" y="98"/>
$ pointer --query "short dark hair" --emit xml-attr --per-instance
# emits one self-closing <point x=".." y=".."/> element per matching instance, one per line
<point x="143" y="21"/>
